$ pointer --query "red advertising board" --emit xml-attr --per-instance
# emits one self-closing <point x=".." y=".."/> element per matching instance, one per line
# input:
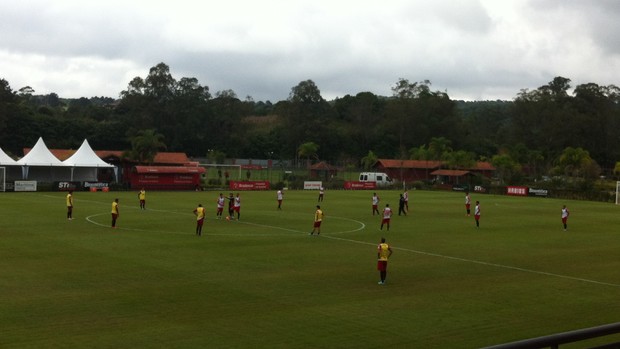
<point x="351" y="185"/>
<point x="516" y="191"/>
<point x="249" y="185"/>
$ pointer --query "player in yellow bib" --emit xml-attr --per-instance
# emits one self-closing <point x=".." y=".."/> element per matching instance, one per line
<point x="384" y="251"/>
<point x="115" y="212"/>
<point x="318" y="219"/>
<point x="200" y="218"/>
<point x="70" y="205"/>
<point x="142" y="198"/>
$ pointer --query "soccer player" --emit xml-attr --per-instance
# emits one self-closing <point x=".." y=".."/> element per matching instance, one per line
<point x="401" y="205"/>
<point x="384" y="251"/>
<point x="321" y="193"/>
<point x="279" y="196"/>
<point x="70" y="205"/>
<point x="375" y="203"/>
<point x="142" y="198"/>
<point x="231" y="204"/>
<point x="115" y="212"/>
<point x="477" y="214"/>
<point x="220" y="206"/>
<point x="237" y="206"/>
<point x="565" y="214"/>
<point x="200" y="218"/>
<point x="406" y="197"/>
<point x="467" y="203"/>
<point x="387" y="214"/>
<point x="318" y="219"/>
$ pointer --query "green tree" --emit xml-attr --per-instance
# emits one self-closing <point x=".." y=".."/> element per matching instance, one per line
<point x="506" y="167"/>
<point x="369" y="160"/>
<point x="308" y="150"/>
<point x="460" y="159"/>
<point x="439" y="147"/>
<point x="145" y="145"/>
<point x="576" y="162"/>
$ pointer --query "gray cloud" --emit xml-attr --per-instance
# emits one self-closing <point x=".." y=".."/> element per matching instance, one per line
<point x="472" y="49"/>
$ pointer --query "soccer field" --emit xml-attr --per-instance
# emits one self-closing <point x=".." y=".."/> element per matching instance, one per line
<point x="263" y="282"/>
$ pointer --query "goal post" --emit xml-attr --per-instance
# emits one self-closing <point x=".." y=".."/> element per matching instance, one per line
<point x="234" y="171"/>
<point x="618" y="193"/>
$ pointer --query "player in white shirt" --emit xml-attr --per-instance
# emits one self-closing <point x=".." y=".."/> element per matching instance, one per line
<point x="280" y="197"/>
<point x="237" y="206"/>
<point x="221" y="201"/>
<point x="467" y="203"/>
<point x="565" y="214"/>
<point x="387" y="214"/>
<point x="375" y="203"/>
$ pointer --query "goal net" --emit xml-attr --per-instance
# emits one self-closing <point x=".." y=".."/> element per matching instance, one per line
<point x="224" y="171"/>
<point x="2" y="179"/>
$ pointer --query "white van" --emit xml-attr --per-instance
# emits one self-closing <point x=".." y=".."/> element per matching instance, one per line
<point x="381" y="178"/>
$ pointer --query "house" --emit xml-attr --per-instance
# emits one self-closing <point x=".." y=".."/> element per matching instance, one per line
<point x="408" y="170"/>
<point x="431" y="170"/>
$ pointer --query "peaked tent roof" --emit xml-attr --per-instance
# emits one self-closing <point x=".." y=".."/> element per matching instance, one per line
<point x="85" y="157"/>
<point x="5" y="159"/>
<point x="39" y="155"/>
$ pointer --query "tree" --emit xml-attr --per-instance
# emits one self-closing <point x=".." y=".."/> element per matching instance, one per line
<point x="438" y="147"/>
<point x="576" y="162"/>
<point x="308" y="150"/>
<point x="460" y="159"/>
<point x="160" y="84"/>
<point x="369" y="160"/>
<point x="306" y="92"/>
<point x="419" y="153"/>
<point x="145" y="146"/>
<point x="506" y="167"/>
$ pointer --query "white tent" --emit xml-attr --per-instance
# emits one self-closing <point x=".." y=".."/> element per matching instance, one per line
<point x="41" y="164"/>
<point x="13" y="170"/>
<point x="6" y="160"/>
<point x="84" y="163"/>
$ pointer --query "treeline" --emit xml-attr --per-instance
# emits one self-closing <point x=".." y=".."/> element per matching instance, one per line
<point x="528" y="135"/>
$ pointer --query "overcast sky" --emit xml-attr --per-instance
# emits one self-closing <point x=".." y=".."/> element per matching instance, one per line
<point x="471" y="49"/>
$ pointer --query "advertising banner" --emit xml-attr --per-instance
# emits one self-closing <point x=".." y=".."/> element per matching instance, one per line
<point x="352" y="185"/>
<point x="538" y="192"/>
<point x="96" y="185"/>
<point x="249" y="185"/>
<point x="25" y="186"/>
<point x="312" y="185"/>
<point x="516" y="191"/>
<point x="67" y="186"/>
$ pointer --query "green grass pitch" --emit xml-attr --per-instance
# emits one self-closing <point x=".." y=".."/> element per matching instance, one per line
<point x="263" y="282"/>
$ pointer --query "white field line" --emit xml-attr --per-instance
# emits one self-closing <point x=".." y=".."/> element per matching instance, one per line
<point x="362" y="227"/>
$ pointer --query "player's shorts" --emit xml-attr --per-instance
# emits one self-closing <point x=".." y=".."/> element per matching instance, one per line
<point x="317" y="224"/>
<point x="381" y="265"/>
<point x="564" y="220"/>
<point x="237" y="208"/>
<point x="220" y="209"/>
<point x="385" y="221"/>
<point x="200" y="221"/>
<point x="467" y="206"/>
<point x="374" y="207"/>
<point x="477" y="217"/>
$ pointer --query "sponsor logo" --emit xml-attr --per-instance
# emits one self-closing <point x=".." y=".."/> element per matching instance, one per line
<point x="538" y="192"/>
<point x="516" y="191"/>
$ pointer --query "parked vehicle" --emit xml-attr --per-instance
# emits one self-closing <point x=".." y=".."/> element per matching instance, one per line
<point x="381" y="178"/>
